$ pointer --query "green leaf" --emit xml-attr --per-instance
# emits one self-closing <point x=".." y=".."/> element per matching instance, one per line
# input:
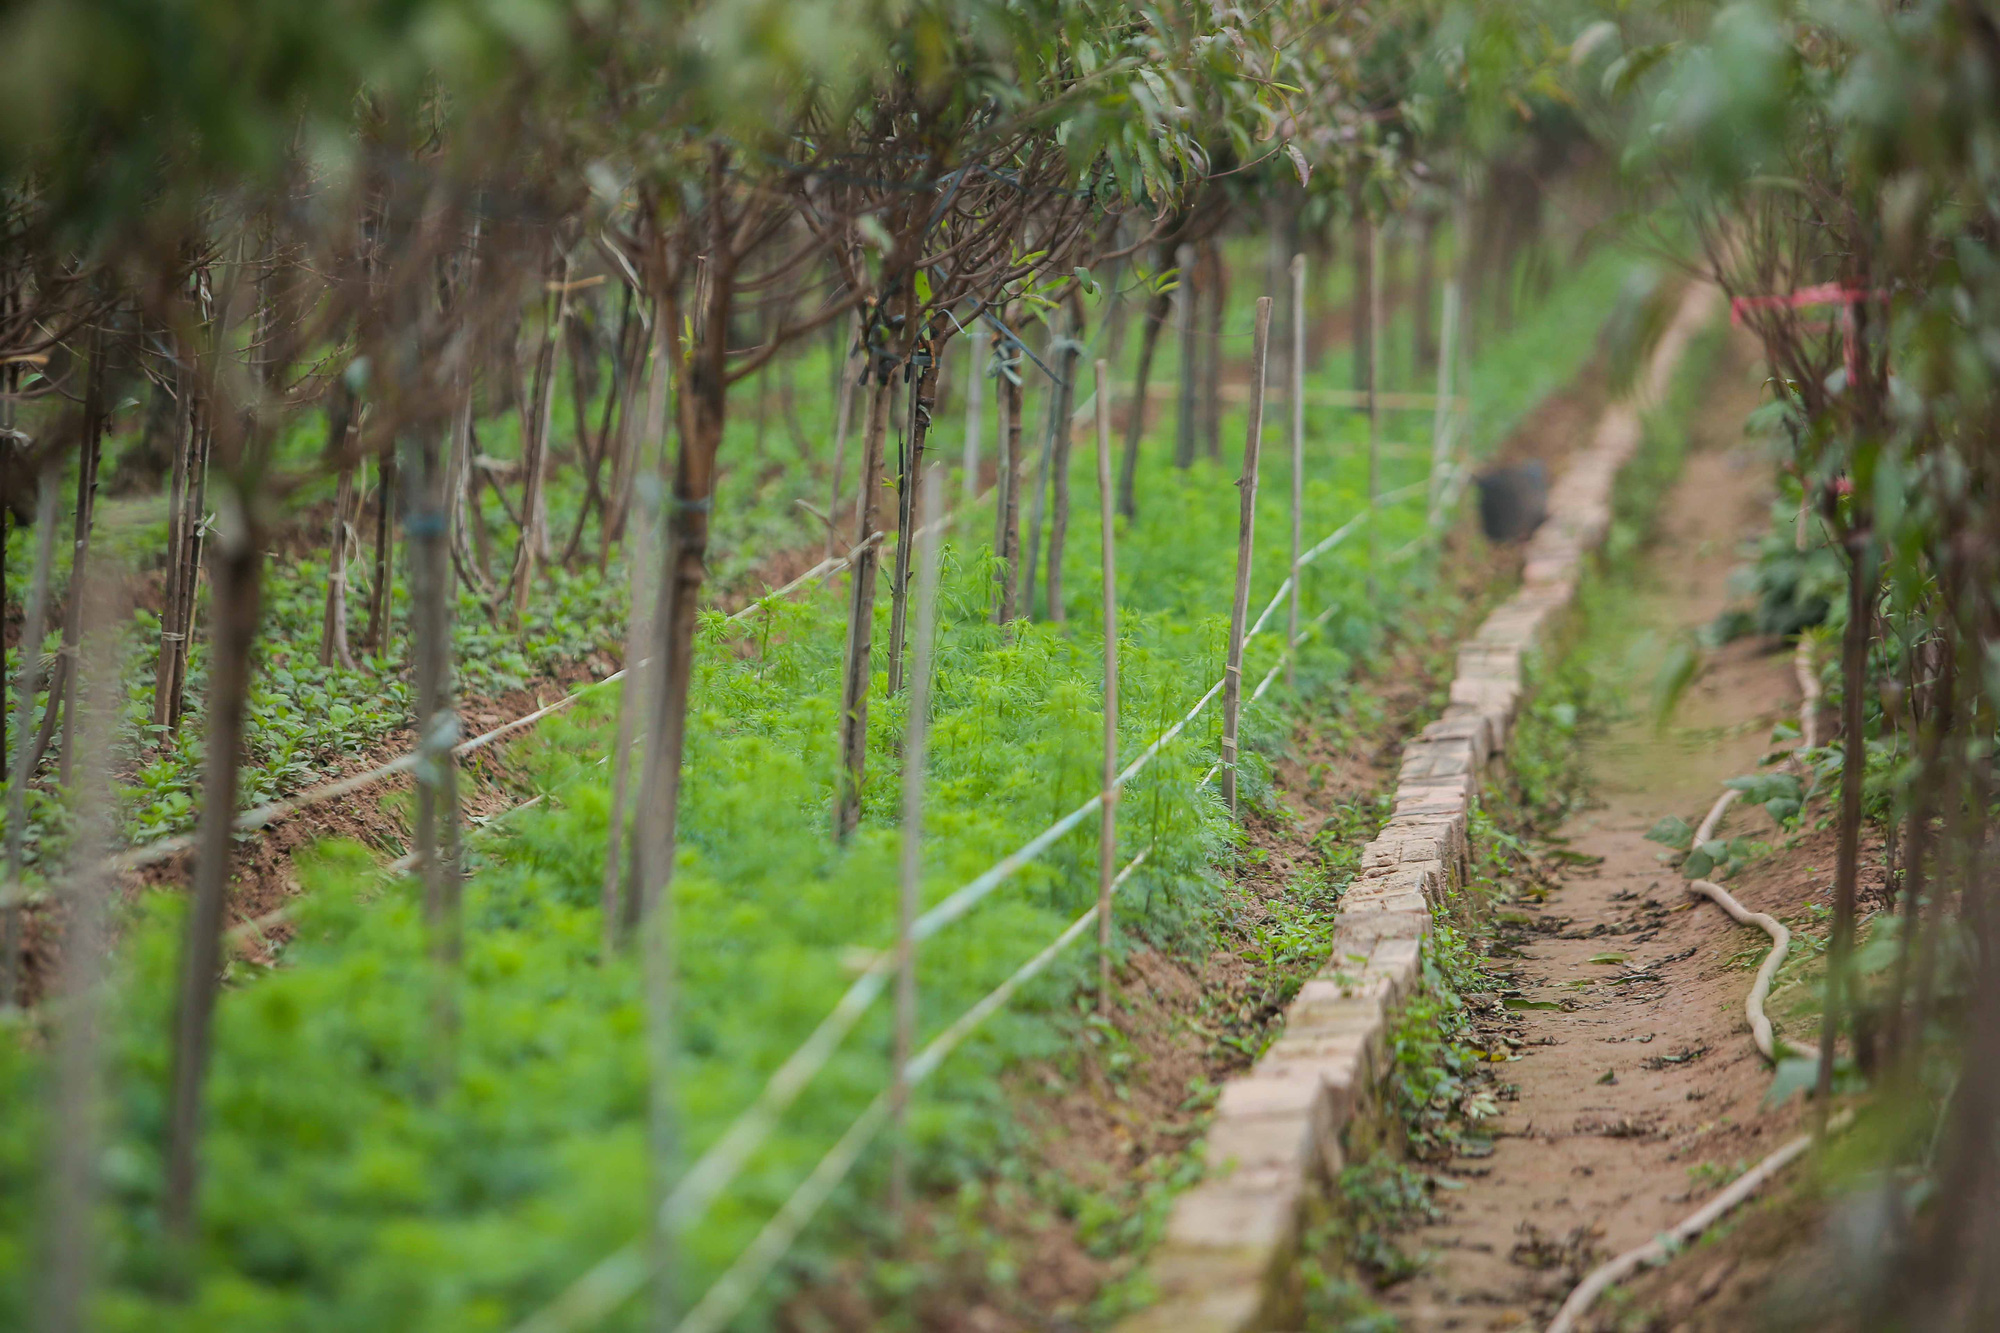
<point x="1795" y="1074"/>
<point x="1299" y="163"/>
<point x="1519" y="1005"/>
<point x="1672" y="831"/>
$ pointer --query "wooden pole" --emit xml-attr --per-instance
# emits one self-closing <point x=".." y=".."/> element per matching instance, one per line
<point x="908" y="899"/>
<point x="427" y="541"/>
<point x="1298" y="377"/>
<point x="1441" y="415"/>
<point x="236" y="567"/>
<point x="1107" y="834"/>
<point x="1374" y="387"/>
<point x="843" y="409"/>
<point x="975" y="408"/>
<point x="70" y="1246"/>
<point x="1239" y="610"/>
<point x="857" y="673"/>
<point x="922" y="399"/>
<point x="642" y="592"/>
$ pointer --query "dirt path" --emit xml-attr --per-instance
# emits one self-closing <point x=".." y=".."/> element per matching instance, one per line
<point x="1635" y="1065"/>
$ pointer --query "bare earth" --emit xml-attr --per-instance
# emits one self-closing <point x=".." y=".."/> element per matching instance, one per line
<point x="1647" y="1070"/>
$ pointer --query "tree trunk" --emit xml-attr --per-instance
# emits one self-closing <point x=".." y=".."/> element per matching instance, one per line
<point x="1038" y="503"/>
<point x="1186" y="296"/>
<point x="704" y="407"/>
<point x="1854" y="762"/>
<point x="333" y="646"/>
<point x="1135" y="420"/>
<point x="34" y="629"/>
<point x="64" y="696"/>
<point x="1007" y="542"/>
<point x="380" y="592"/>
<point x="923" y="399"/>
<point x="843" y="412"/>
<point x="1423" y="329"/>
<point x="858" y="670"/>
<point x="536" y="418"/>
<point x="235" y="573"/>
<point x="1359" y="318"/>
<point x="1215" y="306"/>
<point x="1069" y="364"/>
<point x="642" y="588"/>
<point x="613" y="413"/>
<point x="184" y="543"/>
<point x="428" y="543"/>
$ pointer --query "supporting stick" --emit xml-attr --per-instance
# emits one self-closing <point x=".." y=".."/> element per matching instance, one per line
<point x="1239" y="610"/>
<point x="1441" y="415"/>
<point x="1374" y="391"/>
<point x="913" y="815"/>
<point x="975" y="408"/>
<point x="1298" y="378"/>
<point x="1107" y="835"/>
<point x="843" y="410"/>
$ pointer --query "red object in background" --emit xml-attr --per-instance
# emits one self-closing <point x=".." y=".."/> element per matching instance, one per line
<point x="1826" y="293"/>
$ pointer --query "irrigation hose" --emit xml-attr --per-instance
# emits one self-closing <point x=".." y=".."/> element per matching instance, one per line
<point x="1664" y="1246"/>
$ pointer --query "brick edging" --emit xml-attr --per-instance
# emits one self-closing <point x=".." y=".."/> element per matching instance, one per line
<point x="1225" y="1262"/>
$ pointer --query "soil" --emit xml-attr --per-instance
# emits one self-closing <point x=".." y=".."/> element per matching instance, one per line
<point x="1633" y="1085"/>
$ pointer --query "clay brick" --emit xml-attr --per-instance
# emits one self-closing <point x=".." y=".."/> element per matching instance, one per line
<point x="1218" y="1217"/>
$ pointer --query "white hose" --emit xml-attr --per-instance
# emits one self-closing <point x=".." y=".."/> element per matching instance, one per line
<point x="1663" y="1247"/>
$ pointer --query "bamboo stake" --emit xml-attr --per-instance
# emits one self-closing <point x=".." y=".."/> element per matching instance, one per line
<point x="911" y="877"/>
<point x="236" y="575"/>
<point x="975" y="409"/>
<point x="1239" y="610"/>
<point x="427" y="539"/>
<point x="1298" y="378"/>
<point x="1107" y="833"/>
<point x="642" y="592"/>
<point x="1374" y="392"/>
<point x="75" y="1093"/>
<point x="923" y="398"/>
<point x="1362" y="308"/>
<point x="861" y="622"/>
<point x="35" y="628"/>
<point x="843" y="409"/>
<point x="1441" y="417"/>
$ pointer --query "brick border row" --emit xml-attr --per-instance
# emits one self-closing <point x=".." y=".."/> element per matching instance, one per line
<point x="1226" y="1263"/>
